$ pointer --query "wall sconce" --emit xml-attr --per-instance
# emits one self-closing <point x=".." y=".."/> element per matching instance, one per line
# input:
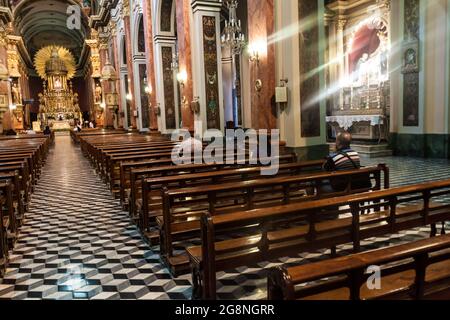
<point x="256" y="50"/>
<point x="158" y="110"/>
<point x="182" y="77"/>
<point x="195" y="105"/>
<point x="129" y="96"/>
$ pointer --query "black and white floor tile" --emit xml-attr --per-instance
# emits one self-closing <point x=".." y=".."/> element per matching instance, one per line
<point x="77" y="243"/>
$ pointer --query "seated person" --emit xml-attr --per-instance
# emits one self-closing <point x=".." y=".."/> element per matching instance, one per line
<point x="345" y="158"/>
<point x="47" y="131"/>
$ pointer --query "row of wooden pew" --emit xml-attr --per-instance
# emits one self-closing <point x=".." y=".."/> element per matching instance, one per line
<point x="208" y="218"/>
<point x="21" y="160"/>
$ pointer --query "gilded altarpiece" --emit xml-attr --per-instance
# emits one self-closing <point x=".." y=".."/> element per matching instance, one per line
<point x="211" y="72"/>
<point x="169" y="88"/>
<point x="309" y="61"/>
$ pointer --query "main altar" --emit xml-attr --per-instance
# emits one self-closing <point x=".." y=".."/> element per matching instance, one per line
<point x="59" y="107"/>
<point x="360" y="102"/>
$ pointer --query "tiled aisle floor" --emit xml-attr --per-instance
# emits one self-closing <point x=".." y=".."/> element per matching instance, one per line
<point x="77" y="243"/>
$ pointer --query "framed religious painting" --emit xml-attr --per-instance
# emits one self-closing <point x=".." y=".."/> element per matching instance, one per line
<point x="410" y="59"/>
<point x="3" y="100"/>
<point x="111" y="99"/>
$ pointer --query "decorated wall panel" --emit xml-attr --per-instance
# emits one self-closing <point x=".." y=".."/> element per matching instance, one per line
<point x="211" y="72"/>
<point x="145" y="108"/>
<point x="309" y="61"/>
<point x="166" y="15"/>
<point x="169" y="88"/>
<point x="410" y="68"/>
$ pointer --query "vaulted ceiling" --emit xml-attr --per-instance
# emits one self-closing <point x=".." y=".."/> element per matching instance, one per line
<point x="44" y="22"/>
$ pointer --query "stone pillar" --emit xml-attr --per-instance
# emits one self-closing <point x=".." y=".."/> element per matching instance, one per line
<point x="122" y="108"/>
<point x="340" y="53"/>
<point x="183" y="15"/>
<point x="106" y="85"/>
<point x="148" y="29"/>
<point x="93" y="44"/>
<point x="129" y="46"/>
<point x="261" y="27"/>
<point x="227" y="71"/>
<point x="207" y="66"/>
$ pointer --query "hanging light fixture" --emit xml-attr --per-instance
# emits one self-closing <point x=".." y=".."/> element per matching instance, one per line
<point x="232" y="35"/>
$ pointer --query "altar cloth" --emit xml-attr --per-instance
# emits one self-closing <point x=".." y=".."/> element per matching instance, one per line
<point x="346" y="122"/>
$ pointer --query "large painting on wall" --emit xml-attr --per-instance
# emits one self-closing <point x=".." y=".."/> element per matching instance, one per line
<point x="211" y="72"/>
<point x="169" y="88"/>
<point x="309" y="61"/>
<point x="410" y="67"/>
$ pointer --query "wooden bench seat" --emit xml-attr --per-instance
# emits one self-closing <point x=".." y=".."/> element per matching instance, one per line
<point x="418" y="270"/>
<point x="183" y="207"/>
<point x="390" y="211"/>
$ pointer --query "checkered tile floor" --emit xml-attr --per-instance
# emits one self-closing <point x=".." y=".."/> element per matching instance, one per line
<point x="77" y="243"/>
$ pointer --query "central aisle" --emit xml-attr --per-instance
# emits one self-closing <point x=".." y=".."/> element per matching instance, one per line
<point x="78" y="243"/>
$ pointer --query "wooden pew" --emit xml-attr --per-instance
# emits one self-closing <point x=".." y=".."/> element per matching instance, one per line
<point x="3" y="237"/>
<point x="131" y="174"/>
<point x="413" y="271"/>
<point x="294" y="228"/>
<point x="184" y="177"/>
<point x="182" y="208"/>
<point x="18" y="205"/>
<point x="24" y="177"/>
<point x="9" y="218"/>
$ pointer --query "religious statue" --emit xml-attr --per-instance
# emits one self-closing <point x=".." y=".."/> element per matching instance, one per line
<point x="98" y="93"/>
<point x="362" y="68"/>
<point x="17" y="99"/>
<point x="58" y="83"/>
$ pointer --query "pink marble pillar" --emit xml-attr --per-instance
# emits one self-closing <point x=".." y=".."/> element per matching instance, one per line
<point x="148" y="29"/>
<point x="106" y="87"/>
<point x="261" y="26"/>
<point x="183" y="9"/>
<point x="126" y="21"/>
<point x="117" y="83"/>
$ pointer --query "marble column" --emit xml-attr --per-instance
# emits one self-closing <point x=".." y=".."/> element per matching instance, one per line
<point x="227" y="71"/>
<point x="183" y="16"/>
<point x="340" y="54"/>
<point x="148" y="29"/>
<point x="261" y="27"/>
<point x="128" y="37"/>
<point x="106" y="87"/>
<point x="116" y="66"/>
<point x="207" y="65"/>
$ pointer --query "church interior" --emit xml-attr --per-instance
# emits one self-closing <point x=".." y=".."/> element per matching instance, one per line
<point x="348" y="101"/>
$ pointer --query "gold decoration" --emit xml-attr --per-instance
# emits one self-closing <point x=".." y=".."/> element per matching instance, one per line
<point x="45" y="54"/>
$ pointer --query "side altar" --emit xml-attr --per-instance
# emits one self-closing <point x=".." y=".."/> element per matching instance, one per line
<point x="360" y="85"/>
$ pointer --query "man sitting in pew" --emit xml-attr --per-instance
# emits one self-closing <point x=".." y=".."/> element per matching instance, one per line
<point x="345" y="158"/>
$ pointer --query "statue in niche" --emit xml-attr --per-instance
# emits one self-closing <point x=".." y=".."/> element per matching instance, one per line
<point x="410" y="58"/>
<point x="361" y="70"/>
<point x="58" y="84"/>
<point x="16" y="96"/>
<point x="98" y="93"/>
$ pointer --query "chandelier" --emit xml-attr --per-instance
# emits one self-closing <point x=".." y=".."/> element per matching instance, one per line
<point x="232" y="36"/>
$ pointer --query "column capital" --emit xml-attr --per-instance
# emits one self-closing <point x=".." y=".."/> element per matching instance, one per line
<point x="125" y="9"/>
<point x="206" y="5"/>
<point x="341" y="23"/>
